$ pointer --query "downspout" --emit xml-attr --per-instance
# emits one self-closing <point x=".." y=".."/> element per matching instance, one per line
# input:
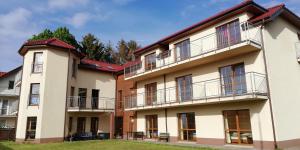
<point x="66" y="104"/>
<point x="166" y="110"/>
<point x="268" y="86"/>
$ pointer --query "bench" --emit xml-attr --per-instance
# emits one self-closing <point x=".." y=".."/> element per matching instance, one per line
<point x="164" y="136"/>
<point x="137" y="135"/>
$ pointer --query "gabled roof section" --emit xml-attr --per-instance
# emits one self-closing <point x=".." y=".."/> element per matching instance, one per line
<point x="2" y="73"/>
<point x="247" y="5"/>
<point x="272" y="11"/>
<point x="5" y="74"/>
<point x="53" y="42"/>
<point x="100" y="66"/>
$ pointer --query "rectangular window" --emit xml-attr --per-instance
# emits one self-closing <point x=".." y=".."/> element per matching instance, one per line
<point x="120" y="101"/>
<point x="81" y="125"/>
<point x="233" y="80"/>
<point x="228" y="34"/>
<point x="31" y="128"/>
<point x="187" y="126"/>
<point x="11" y="85"/>
<point x="184" y="88"/>
<point x="94" y="125"/>
<point x="70" y="124"/>
<point x="4" y="107"/>
<point x="150" y="93"/>
<point x="37" y="62"/>
<point x="74" y="68"/>
<point x="150" y="61"/>
<point x="183" y="50"/>
<point x="3" y="124"/>
<point x="34" y="97"/>
<point x="82" y="92"/>
<point x="95" y="98"/>
<point x="151" y="126"/>
<point x="237" y="127"/>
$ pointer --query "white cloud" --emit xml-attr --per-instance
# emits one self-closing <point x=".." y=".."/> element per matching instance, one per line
<point x="79" y="19"/>
<point x="66" y="3"/>
<point x="15" y="27"/>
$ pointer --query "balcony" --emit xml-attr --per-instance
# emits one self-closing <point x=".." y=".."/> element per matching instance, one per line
<point x="9" y="111"/>
<point x="203" y="50"/>
<point x="94" y="104"/>
<point x="251" y="86"/>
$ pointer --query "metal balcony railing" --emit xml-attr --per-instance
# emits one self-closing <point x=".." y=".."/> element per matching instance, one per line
<point x="8" y="111"/>
<point x="78" y="102"/>
<point x="251" y="83"/>
<point x="211" y="43"/>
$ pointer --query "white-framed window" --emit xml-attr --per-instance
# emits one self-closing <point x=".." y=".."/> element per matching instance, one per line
<point x="34" y="96"/>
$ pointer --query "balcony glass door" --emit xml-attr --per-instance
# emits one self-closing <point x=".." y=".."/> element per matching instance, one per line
<point x="187" y="126"/>
<point x="150" y="93"/>
<point x="233" y="80"/>
<point x="95" y="99"/>
<point x="237" y="127"/>
<point x="151" y="126"/>
<point x="4" y="107"/>
<point x="184" y="88"/>
<point x="228" y="34"/>
<point x="81" y="125"/>
<point x="183" y="50"/>
<point x="94" y="125"/>
<point x="82" y="97"/>
<point x="150" y="61"/>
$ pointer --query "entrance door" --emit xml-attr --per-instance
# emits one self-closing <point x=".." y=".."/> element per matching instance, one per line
<point x="94" y="125"/>
<point x="81" y="124"/>
<point x="233" y="80"/>
<point x="119" y="127"/>
<point x="187" y="126"/>
<point x="237" y="127"/>
<point x="150" y="93"/>
<point x="151" y="126"/>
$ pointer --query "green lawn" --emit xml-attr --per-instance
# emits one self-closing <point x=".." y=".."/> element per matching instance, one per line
<point x="91" y="145"/>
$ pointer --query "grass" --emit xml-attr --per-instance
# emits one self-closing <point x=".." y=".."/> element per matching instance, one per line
<point x="101" y="145"/>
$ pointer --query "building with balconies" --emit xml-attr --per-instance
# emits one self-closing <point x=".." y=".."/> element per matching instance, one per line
<point x="9" y="98"/>
<point x="64" y="96"/>
<point x="232" y="78"/>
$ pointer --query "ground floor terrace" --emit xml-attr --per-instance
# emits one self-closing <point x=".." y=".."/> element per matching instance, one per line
<point x="89" y="125"/>
<point x="244" y="123"/>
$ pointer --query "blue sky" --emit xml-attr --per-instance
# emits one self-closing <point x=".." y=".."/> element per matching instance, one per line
<point x="145" y="21"/>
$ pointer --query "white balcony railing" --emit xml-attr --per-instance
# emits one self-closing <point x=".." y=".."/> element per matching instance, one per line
<point x="94" y="103"/>
<point x="10" y="110"/>
<point x="211" y="43"/>
<point x="252" y="83"/>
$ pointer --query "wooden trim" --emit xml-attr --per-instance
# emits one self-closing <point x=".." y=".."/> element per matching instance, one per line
<point x="151" y="119"/>
<point x="149" y="95"/>
<point x="176" y="79"/>
<point x="147" y="63"/>
<point x="185" y="129"/>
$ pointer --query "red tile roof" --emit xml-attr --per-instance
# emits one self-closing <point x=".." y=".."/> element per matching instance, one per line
<point x="205" y="21"/>
<point x="2" y="73"/>
<point x="49" y="42"/>
<point x="100" y="66"/>
<point x="271" y="11"/>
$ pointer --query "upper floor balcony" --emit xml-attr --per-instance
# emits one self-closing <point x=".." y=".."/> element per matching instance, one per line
<point x="228" y="41"/>
<point x="7" y="92"/>
<point x="250" y="86"/>
<point x="8" y="108"/>
<point x="94" y="104"/>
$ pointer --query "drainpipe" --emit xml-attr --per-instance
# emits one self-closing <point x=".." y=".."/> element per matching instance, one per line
<point x="66" y="104"/>
<point x="268" y="86"/>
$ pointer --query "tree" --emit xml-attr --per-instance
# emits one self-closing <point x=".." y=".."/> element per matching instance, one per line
<point x="61" y="33"/>
<point x="125" y="51"/>
<point x="91" y="47"/>
<point x="46" y="34"/>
